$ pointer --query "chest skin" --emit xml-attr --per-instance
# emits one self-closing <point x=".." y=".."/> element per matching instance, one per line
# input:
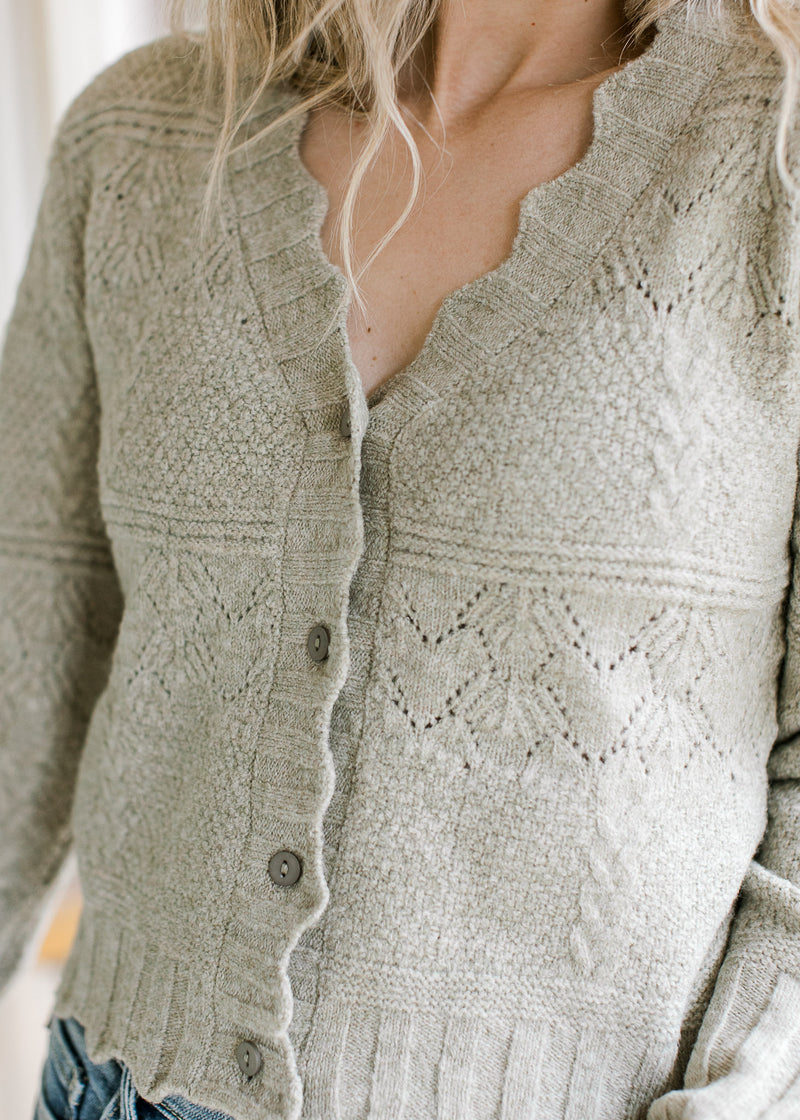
<point x="465" y="219"/>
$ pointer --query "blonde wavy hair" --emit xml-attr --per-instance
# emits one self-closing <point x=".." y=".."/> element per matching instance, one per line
<point x="351" y="52"/>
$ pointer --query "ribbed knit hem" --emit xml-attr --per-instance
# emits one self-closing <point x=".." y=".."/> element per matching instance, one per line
<point x="382" y="1062"/>
<point x="171" y="1023"/>
<point x="368" y="1059"/>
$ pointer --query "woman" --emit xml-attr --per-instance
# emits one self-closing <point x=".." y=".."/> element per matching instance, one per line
<point x="423" y="656"/>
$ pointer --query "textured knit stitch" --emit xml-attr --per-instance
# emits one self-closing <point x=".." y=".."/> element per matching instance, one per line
<point x="545" y="788"/>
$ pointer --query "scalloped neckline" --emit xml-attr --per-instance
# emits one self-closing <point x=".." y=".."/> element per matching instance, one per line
<point x="563" y="223"/>
<point x="602" y="96"/>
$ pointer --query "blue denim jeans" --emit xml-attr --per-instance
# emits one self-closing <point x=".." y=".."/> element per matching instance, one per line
<point x="74" y="1088"/>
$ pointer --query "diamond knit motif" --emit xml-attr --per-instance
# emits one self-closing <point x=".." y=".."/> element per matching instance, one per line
<point x="54" y="659"/>
<point x="227" y="648"/>
<point x="528" y="783"/>
<point x="522" y="672"/>
<point x="147" y="247"/>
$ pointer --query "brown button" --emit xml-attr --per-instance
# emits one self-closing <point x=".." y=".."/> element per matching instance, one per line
<point x="285" y="869"/>
<point x="318" y="643"/>
<point x="344" y="424"/>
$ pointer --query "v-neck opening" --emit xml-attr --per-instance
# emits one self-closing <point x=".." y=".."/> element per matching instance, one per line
<point x="456" y="295"/>
<point x="563" y="223"/>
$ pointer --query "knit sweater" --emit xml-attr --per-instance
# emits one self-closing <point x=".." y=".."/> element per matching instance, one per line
<point x="448" y="766"/>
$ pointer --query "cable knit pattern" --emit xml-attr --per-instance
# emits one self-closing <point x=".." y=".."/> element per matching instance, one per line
<point x="545" y="787"/>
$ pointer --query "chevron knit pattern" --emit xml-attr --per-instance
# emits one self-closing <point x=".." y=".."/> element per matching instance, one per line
<point x="544" y="790"/>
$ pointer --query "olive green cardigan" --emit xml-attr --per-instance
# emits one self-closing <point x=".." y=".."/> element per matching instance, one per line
<point x="448" y="767"/>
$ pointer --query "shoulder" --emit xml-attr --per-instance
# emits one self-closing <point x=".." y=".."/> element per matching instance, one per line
<point x="155" y="95"/>
<point x="729" y="139"/>
<point x="752" y="76"/>
<point x="757" y="105"/>
<point x="152" y="103"/>
<point x="163" y="75"/>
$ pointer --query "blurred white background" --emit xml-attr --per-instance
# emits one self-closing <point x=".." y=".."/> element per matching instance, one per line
<point x="49" y="50"/>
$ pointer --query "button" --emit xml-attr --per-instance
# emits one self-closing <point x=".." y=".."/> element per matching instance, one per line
<point x="249" y="1058"/>
<point x="285" y="869"/>
<point x="318" y="642"/>
<point x="344" y="424"/>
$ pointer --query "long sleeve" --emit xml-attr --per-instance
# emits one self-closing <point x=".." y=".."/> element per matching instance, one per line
<point x="60" y="601"/>
<point x="745" y="1064"/>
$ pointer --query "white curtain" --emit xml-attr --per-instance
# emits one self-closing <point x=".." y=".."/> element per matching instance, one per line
<point x="49" y="51"/>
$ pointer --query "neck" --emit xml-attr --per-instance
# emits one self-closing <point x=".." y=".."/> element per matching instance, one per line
<point x="480" y="50"/>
